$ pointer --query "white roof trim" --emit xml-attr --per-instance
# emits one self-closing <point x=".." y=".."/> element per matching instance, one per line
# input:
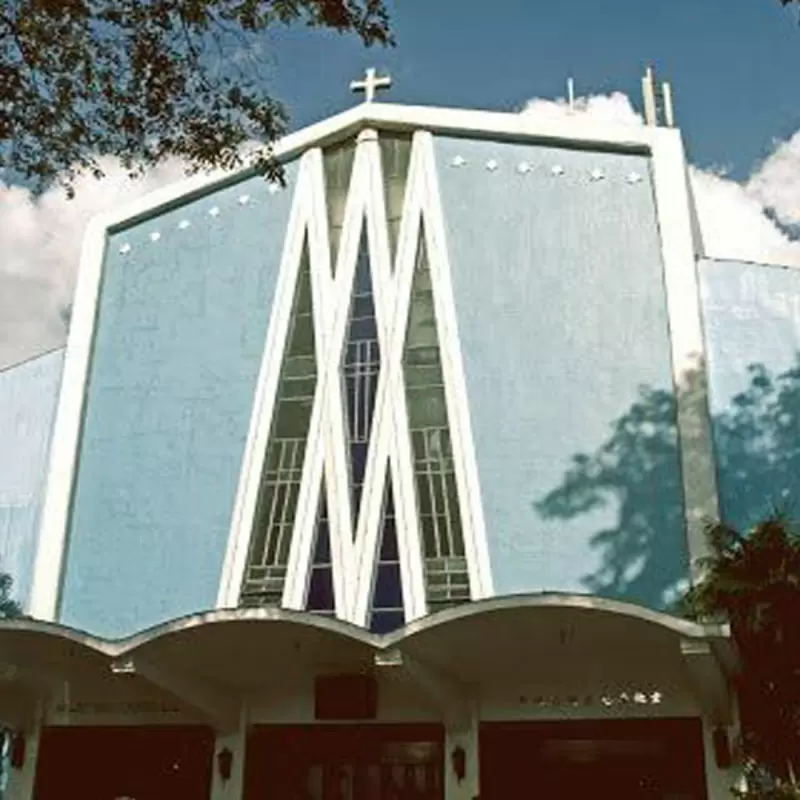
<point x="682" y="628"/>
<point x="571" y="132"/>
<point x="536" y="602"/>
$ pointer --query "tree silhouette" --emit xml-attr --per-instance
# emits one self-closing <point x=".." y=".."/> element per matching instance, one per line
<point x="753" y="580"/>
<point x="149" y="81"/>
<point x="8" y="606"/>
<point x="757" y="454"/>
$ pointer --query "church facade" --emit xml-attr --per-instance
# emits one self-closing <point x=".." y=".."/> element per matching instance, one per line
<point x="388" y="480"/>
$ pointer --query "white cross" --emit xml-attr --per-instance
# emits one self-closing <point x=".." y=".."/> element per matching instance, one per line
<point x="371" y="84"/>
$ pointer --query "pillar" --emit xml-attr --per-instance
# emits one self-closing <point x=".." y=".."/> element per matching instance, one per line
<point x="462" y="737"/>
<point x="719" y="780"/>
<point x="21" y="781"/>
<point x="231" y="746"/>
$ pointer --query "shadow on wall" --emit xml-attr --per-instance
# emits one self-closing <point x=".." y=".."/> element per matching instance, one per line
<point x="757" y="452"/>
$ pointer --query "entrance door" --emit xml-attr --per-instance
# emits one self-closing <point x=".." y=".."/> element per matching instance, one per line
<point x="624" y="759"/>
<point x="168" y="762"/>
<point x="345" y="762"/>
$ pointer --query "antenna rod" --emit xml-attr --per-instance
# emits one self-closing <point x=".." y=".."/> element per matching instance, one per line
<point x="669" y="110"/>
<point x="649" y="92"/>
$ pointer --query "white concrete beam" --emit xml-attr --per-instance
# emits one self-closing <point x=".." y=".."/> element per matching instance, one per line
<point x="222" y="710"/>
<point x="708" y="680"/>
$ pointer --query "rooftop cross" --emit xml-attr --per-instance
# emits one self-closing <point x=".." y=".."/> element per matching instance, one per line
<point x="371" y="84"/>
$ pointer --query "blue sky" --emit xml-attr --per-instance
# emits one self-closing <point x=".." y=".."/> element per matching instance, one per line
<point x="733" y="63"/>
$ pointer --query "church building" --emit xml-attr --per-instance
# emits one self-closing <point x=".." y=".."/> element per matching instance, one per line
<point x="386" y="481"/>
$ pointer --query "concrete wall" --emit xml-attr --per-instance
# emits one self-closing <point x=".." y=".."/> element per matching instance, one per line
<point x="558" y="285"/>
<point x="182" y="322"/>
<point x="28" y="396"/>
<point x="752" y="326"/>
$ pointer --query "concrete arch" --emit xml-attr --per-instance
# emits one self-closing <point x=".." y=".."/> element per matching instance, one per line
<point x="482" y="609"/>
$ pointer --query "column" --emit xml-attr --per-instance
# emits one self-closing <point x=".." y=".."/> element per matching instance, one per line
<point x="229" y="754"/>
<point x="719" y="780"/>
<point x="462" y="755"/>
<point x="21" y="781"/>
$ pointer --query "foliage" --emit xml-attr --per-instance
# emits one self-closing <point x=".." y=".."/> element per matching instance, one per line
<point x="146" y="80"/>
<point x="753" y="574"/>
<point x="8" y="606"/>
<point x="753" y="580"/>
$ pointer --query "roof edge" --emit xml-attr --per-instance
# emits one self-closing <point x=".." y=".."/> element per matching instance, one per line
<point x="571" y="132"/>
<point x="114" y="648"/>
<point x="552" y="600"/>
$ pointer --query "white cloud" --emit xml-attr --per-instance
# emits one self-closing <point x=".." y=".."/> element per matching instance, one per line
<point x="733" y="222"/>
<point x="611" y="108"/>
<point x="40" y="242"/>
<point x="776" y="183"/>
<point x="40" y="238"/>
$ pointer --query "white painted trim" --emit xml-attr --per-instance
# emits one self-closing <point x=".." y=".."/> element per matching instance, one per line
<point x="337" y="457"/>
<point x="53" y="533"/>
<point x="299" y="566"/>
<point x="369" y="528"/>
<point x="571" y="131"/>
<point x="394" y="289"/>
<point x="673" y="204"/>
<point x="467" y="477"/>
<point x="409" y="534"/>
<point x="255" y="451"/>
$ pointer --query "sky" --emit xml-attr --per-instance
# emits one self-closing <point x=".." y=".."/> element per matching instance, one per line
<point x="733" y="65"/>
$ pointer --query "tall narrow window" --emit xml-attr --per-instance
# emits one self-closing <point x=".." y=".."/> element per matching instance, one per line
<point x="320" y="598"/>
<point x="362" y="362"/>
<point x="446" y="573"/>
<point x="386" y="607"/>
<point x="338" y="165"/>
<point x="276" y="508"/>
<point x="395" y="158"/>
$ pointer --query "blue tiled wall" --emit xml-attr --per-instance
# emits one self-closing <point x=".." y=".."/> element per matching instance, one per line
<point x="752" y="324"/>
<point x="28" y="399"/>
<point x="181" y="327"/>
<point x="561" y="312"/>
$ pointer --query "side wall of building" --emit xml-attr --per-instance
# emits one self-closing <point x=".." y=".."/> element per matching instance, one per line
<point x="752" y="324"/>
<point x="28" y="396"/>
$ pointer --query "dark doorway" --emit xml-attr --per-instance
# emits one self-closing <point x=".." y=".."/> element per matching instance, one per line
<point x="344" y="762"/>
<point x="624" y="759"/>
<point x="145" y="763"/>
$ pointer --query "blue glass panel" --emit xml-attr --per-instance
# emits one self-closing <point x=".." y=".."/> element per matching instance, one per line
<point x="387" y="598"/>
<point x="363" y="279"/>
<point x="386" y="621"/>
<point x="320" y="590"/>
<point x="320" y="586"/>
<point x="358" y="461"/>
<point x="364" y="329"/>
<point x="322" y="552"/>
<point x="388" y="592"/>
<point x="389" y="544"/>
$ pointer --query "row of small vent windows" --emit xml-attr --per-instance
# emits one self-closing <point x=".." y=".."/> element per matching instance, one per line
<point x="439" y="513"/>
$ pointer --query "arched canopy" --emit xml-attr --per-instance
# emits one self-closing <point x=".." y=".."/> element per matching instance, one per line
<point x="211" y="661"/>
<point x="540" y="636"/>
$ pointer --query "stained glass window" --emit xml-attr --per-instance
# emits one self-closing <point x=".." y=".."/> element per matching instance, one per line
<point x="338" y="165"/>
<point x="320" y="598"/>
<point x="386" y="607"/>
<point x="283" y="469"/>
<point x="446" y="574"/>
<point x="395" y="158"/>
<point x="361" y="367"/>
